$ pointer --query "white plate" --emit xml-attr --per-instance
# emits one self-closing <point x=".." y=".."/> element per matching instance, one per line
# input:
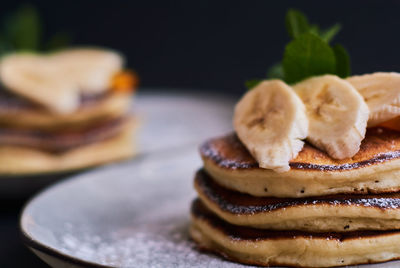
<point x="133" y="214"/>
<point x="167" y="118"/>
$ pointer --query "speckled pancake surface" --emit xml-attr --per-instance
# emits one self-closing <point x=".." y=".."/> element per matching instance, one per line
<point x="291" y="248"/>
<point x="338" y="213"/>
<point x="374" y="169"/>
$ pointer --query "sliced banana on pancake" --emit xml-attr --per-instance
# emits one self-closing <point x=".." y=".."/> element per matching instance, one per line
<point x="374" y="169"/>
<point x="57" y="80"/>
<point x="39" y="79"/>
<point x="271" y="121"/>
<point x="91" y="68"/>
<point x="337" y="114"/>
<point x="381" y="92"/>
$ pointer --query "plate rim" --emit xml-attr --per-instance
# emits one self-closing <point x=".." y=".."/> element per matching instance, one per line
<point x="32" y="243"/>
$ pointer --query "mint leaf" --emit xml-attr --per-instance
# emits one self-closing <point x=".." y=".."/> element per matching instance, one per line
<point x="276" y="71"/>
<point x="306" y="56"/>
<point x="309" y="53"/>
<point x="328" y="34"/>
<point x="296" y="23"/>
<point x="252" y="83"/>
<point x="314" y="29"/>
<point x="23" y="29"/>
<point x="343" y="68"/>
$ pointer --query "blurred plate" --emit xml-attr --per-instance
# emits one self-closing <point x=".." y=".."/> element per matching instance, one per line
<point x="136" y="213"/>
<point x="167" y="119"/>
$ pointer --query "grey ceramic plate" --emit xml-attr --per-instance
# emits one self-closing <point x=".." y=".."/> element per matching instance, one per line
<point x="133" y="214"/>
<point x="167" y="118"/>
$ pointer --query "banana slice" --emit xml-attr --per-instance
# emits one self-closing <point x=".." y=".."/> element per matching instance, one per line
<point x="37" y="78"/>
<point x="91" y="68"/>
<point x="57" y="80"/>
<point x="337" y="113"/>
<point x="271" y="122"/>
<point x="381" y="92"/>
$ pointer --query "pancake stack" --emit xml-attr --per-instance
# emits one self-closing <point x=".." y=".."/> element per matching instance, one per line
<point x="322" y="212"/>
<point x="64" y="111"/>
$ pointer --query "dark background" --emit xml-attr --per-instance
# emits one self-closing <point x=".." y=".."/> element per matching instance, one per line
<point x="204" y="45"/>
<point x="216" y="45"/>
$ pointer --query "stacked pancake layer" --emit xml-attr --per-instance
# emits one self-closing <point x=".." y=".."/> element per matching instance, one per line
<point x="321" y="213"/>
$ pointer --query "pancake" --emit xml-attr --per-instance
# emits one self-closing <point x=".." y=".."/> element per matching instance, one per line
<point x="19" y="160"/>
<point x="17" y="112"/>
<point x="374" y="169"/>
<point x="339" y="213"/>
<point x="62" y="140"/>
<point x="290" y="248"/>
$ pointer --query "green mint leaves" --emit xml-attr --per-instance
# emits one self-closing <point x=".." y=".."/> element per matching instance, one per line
<point x="308" y="53"/>
<point x="22" y="30"/>
<point x="342" y="61"/>
<point x="297" y="24"/>
<point x="305" y="56"/>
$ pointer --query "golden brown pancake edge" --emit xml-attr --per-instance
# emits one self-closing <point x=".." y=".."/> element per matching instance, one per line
<point x="380" y="145"/>
<point x="286" y="248"/>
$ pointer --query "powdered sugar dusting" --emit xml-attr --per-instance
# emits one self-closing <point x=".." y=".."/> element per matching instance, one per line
<point x="160" y="244"/>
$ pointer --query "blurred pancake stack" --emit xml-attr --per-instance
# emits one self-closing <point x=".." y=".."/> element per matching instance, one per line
<point x="266" y="197"/>
<point x="64" y="111"/>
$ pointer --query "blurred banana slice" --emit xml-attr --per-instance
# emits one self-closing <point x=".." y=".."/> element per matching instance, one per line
<point x="337" y="114"/>
<point x="271" y="121"/>
<point x="39" y="79"/>
<point x="92" y="69"/>
<point x="57" y="80"/>
<point x="381" y="92"/>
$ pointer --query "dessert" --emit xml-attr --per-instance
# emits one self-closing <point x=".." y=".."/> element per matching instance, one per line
<point x="65" y="110"/>
<point x="310" y="177"/>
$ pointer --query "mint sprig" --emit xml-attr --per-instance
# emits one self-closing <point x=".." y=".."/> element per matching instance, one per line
<point x="22" y="30"/>
<point x="309" y="52"/>
<point x="297" y="23"/>
<point x="305" y="56"/>
<point x="342" y="61"/>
